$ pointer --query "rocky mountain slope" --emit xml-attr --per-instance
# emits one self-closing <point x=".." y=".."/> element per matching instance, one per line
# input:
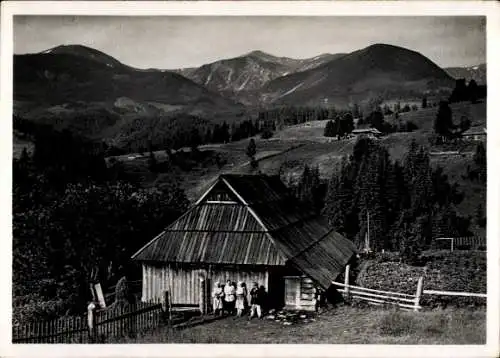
<point x="476" y="73"/>
<point x="242" y="77"/>
<point x="379" y="70"/>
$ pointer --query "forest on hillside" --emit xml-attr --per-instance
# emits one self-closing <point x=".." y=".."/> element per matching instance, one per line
<point x="406" y="203"/>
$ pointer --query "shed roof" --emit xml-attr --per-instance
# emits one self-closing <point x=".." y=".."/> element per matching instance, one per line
<point x="366" y="130"/>
<point x="260" y="224"/>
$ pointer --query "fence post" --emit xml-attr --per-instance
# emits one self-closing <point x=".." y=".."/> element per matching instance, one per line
<point x="346" y="282"/>
<point x="91" y="322"/>
<point x="420" y="287"/>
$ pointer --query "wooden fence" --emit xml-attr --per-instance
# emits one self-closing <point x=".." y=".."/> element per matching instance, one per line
<point x="402" y="300"/>
<point x="461" y="243"/>
<point x="109" y="323"/>
<point x="379" y="297"/>
<point x="454" y="293"/>
<point x="61" y="330"/>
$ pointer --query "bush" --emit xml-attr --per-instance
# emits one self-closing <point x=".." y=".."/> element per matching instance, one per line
<point x="387" y="256"/>
<point x="31" y="308"/>
<point x="443" y="271"/>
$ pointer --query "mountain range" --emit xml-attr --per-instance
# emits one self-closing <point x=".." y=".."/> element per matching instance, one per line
<point x="68" y="83"/>
<point x="476" y="73"/>
<point x="379" y="70"/>
<point x="243" y="76"/>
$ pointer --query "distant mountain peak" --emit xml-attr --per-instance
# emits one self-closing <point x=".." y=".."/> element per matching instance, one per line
<point x="258" y="53"/>
<point x="77" y="48"/>
<point x="84" y="51"/>
<point x="379" y="69"/>
<point x="261" y="55"/>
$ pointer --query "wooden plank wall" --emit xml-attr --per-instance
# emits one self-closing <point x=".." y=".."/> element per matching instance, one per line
<point x="307" y="293"/>
<point x="299" y="293"/>
<point x="183" y="283"/>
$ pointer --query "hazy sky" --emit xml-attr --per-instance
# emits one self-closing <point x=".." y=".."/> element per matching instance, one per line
<point x="173" y="42"/>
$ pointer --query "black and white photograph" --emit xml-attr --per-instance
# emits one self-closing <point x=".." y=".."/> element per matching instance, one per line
<point x="235" y="179"/>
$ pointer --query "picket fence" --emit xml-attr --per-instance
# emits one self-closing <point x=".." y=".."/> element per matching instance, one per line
<point x="109" y="323"/>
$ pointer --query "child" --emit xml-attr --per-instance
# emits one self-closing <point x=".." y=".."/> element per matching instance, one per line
<point x="218" y="295"/>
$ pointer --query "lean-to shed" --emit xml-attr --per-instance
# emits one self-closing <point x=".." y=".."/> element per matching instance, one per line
<point x="245" y="228"/>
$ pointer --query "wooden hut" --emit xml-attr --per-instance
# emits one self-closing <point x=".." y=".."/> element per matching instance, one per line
<point x="245" y="228"/>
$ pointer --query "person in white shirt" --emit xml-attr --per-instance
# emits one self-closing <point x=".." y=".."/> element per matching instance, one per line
<point x="229" y="297"/>
<point x="218" y="296"/>
<point x="240" y="299"/>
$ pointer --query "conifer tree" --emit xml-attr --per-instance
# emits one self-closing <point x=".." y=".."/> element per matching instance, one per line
<point x="251" y="152"/>
<point x="480" y="160"/>
<point x="152" y="162"/>
<point x="424" y="102"/>
<point x="330" y="130"/>
<point x="443" y="124"/>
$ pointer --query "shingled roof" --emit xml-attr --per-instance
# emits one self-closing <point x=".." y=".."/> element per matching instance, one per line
<point x="252" y="220"/>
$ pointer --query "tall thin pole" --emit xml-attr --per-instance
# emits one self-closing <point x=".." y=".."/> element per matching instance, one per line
<point x="367" y="242"/>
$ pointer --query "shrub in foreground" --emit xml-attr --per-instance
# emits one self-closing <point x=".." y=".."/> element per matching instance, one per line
<point x="463" y="271"/>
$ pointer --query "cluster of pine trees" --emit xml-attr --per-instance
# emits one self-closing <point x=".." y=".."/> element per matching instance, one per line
<point x="407" y="203"/>
<point x="195" y="134"/>
<point x="464" y="91"/>
<point x="444" y="127"/>
<point x="296" y="115"/>
<point x="340" y="126"/>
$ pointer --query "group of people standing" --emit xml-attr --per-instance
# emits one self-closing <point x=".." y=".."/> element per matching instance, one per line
<point x="232" y="299"/>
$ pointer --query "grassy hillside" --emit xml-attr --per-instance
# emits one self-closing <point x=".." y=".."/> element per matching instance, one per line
<point x="424" y="118"/>
<point x="290" y="149"/>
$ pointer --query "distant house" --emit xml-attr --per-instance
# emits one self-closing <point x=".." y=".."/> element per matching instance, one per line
<point x="245" y="228"/>
<point x="366" y="132"/>
<point x="475" y="134"/>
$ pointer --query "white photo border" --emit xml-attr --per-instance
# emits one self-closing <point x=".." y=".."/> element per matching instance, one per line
<point x="253" y="8"/>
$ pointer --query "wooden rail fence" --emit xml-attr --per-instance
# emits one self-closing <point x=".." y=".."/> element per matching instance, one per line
<point x="378" y="297"/>
<point x="402" y="300"/>
<point x="109" y="323"/>
<point x="455" y="293"/>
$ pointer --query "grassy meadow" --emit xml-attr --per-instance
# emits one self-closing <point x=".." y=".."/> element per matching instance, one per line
<point x="342" y="325"/>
